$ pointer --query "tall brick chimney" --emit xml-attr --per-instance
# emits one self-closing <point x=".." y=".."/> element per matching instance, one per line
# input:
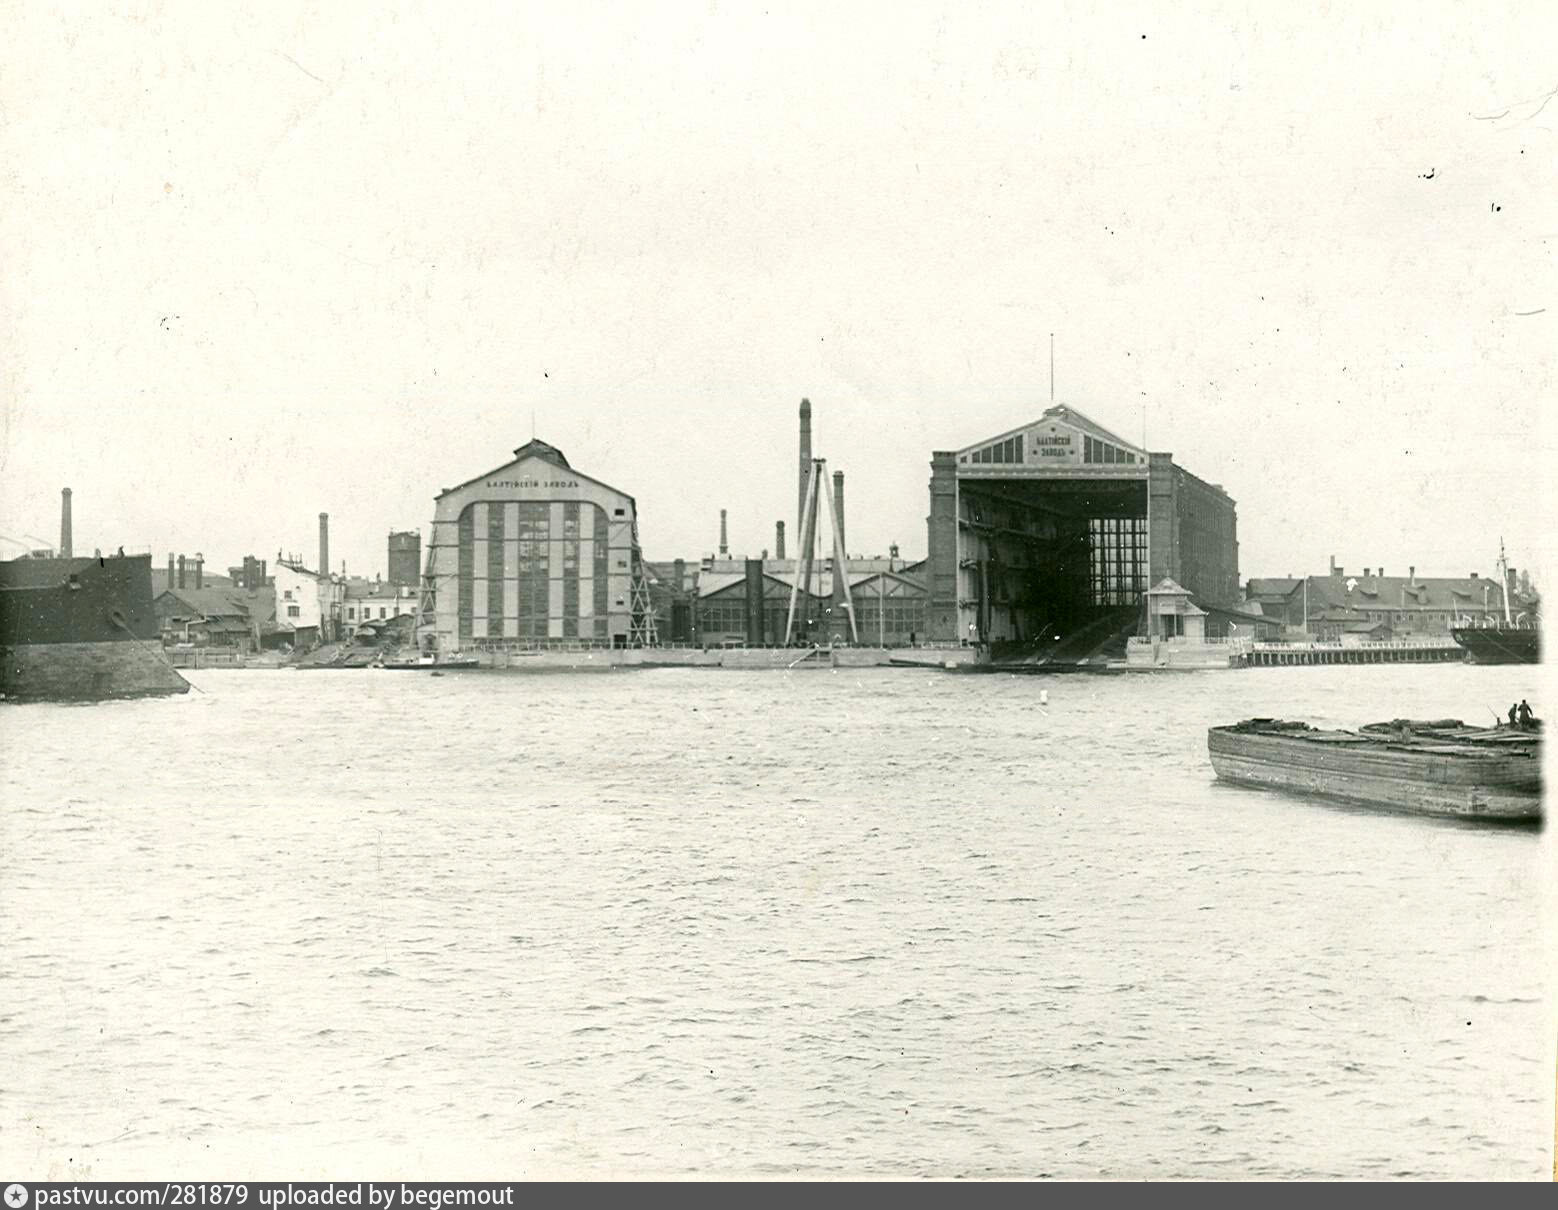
<point x="200" y="569"/>
<point x="324" y="544"/>
<point x="181" y="570"/>
<point x="779" y="539"/>
<point x="65" y="523"/>
<point x="724" y="546"/>
<point x="805" y="472"/>
<point x="838" y="508"/>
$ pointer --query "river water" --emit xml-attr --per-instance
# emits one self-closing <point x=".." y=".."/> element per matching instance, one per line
<point x="881" y="922"/>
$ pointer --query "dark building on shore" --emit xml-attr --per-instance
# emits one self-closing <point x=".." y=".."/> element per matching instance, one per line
<point x="1375" y="605"/>
<point x="1058" y="528"/>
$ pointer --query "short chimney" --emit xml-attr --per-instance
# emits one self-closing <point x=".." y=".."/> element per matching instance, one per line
<point x="1412" y="574"/>
<point x="724" y="548"/>
<point x="779" y="539"/>
<point x="1365" y="573"/>
<point x="65" y="523"/>
<point x="324" y="544"/>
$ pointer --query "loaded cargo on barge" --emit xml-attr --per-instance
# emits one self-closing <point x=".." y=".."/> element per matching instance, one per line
<point x="1442" y="768"/>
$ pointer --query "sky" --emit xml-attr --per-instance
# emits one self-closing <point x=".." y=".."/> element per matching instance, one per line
<point x="268" y="260"/>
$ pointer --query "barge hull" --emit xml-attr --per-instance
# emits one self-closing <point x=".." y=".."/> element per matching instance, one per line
<point x="84" y="672"/>
<point x="1388" y="780"/>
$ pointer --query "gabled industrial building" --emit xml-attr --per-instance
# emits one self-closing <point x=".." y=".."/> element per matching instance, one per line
<point x="888" y="596"/>
<point x="1055" y="530"/>
<point x="534" y="554"/>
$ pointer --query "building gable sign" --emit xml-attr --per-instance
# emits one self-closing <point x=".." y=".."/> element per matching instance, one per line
<point x="1050" y="444"/>
<point x="531" y="473"/>
<point x="1055" y="444"/>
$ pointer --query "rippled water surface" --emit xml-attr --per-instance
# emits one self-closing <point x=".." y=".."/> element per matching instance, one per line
<point x="800" y="924"/>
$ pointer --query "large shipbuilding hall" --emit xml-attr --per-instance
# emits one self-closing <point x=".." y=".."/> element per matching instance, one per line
<point x="534" y="554"/>
<point x="1056" y="530"/>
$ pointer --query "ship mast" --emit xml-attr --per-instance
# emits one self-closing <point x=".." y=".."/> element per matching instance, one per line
<point x="1503" y="581"/>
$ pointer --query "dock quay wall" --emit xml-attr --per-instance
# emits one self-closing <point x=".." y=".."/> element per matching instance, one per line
<point x="607" y="659"/>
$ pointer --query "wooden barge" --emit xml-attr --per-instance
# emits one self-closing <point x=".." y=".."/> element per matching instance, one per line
<point x="1442" y="768"/>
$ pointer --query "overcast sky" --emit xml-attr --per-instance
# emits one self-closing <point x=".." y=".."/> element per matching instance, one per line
<point x="268" y="261"/>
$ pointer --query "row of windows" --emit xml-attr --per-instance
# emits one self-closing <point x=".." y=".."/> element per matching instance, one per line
<point x="1134" y="527"/>
<point x="728" y="616"/>
<point x="1426" y="615"/>
<point x="1009" y="450"/>
<point x="536" y="628"/>
<point x="1117" y="572"/>
<point x="1094" y="450"/>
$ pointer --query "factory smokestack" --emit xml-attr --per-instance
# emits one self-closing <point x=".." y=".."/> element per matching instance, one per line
<point x="805" y="475"/>
<point x="65" y="523"/>
<point x="200" y="569"/>
<point x="181" y="571"/>
<point x="779" y="539"/>
<point x="723" y="546"/>
<point x="171" y="581"/>
<point x="324" y="544"/>
<point x="838" y="508"/>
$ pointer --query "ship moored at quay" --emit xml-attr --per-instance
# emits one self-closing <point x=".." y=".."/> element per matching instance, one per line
<point x="1515" y="643"/>
<point x="1517" y="639"/>
<point x="1441" y="767"/>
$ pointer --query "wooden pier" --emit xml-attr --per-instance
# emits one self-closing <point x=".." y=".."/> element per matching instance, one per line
<point x="1391" y="651"/>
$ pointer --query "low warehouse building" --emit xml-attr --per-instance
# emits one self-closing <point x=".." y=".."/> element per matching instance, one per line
<point x="888" y="596"/>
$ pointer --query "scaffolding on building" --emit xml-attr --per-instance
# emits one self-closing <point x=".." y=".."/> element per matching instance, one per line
<point x="641" y="622"/>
